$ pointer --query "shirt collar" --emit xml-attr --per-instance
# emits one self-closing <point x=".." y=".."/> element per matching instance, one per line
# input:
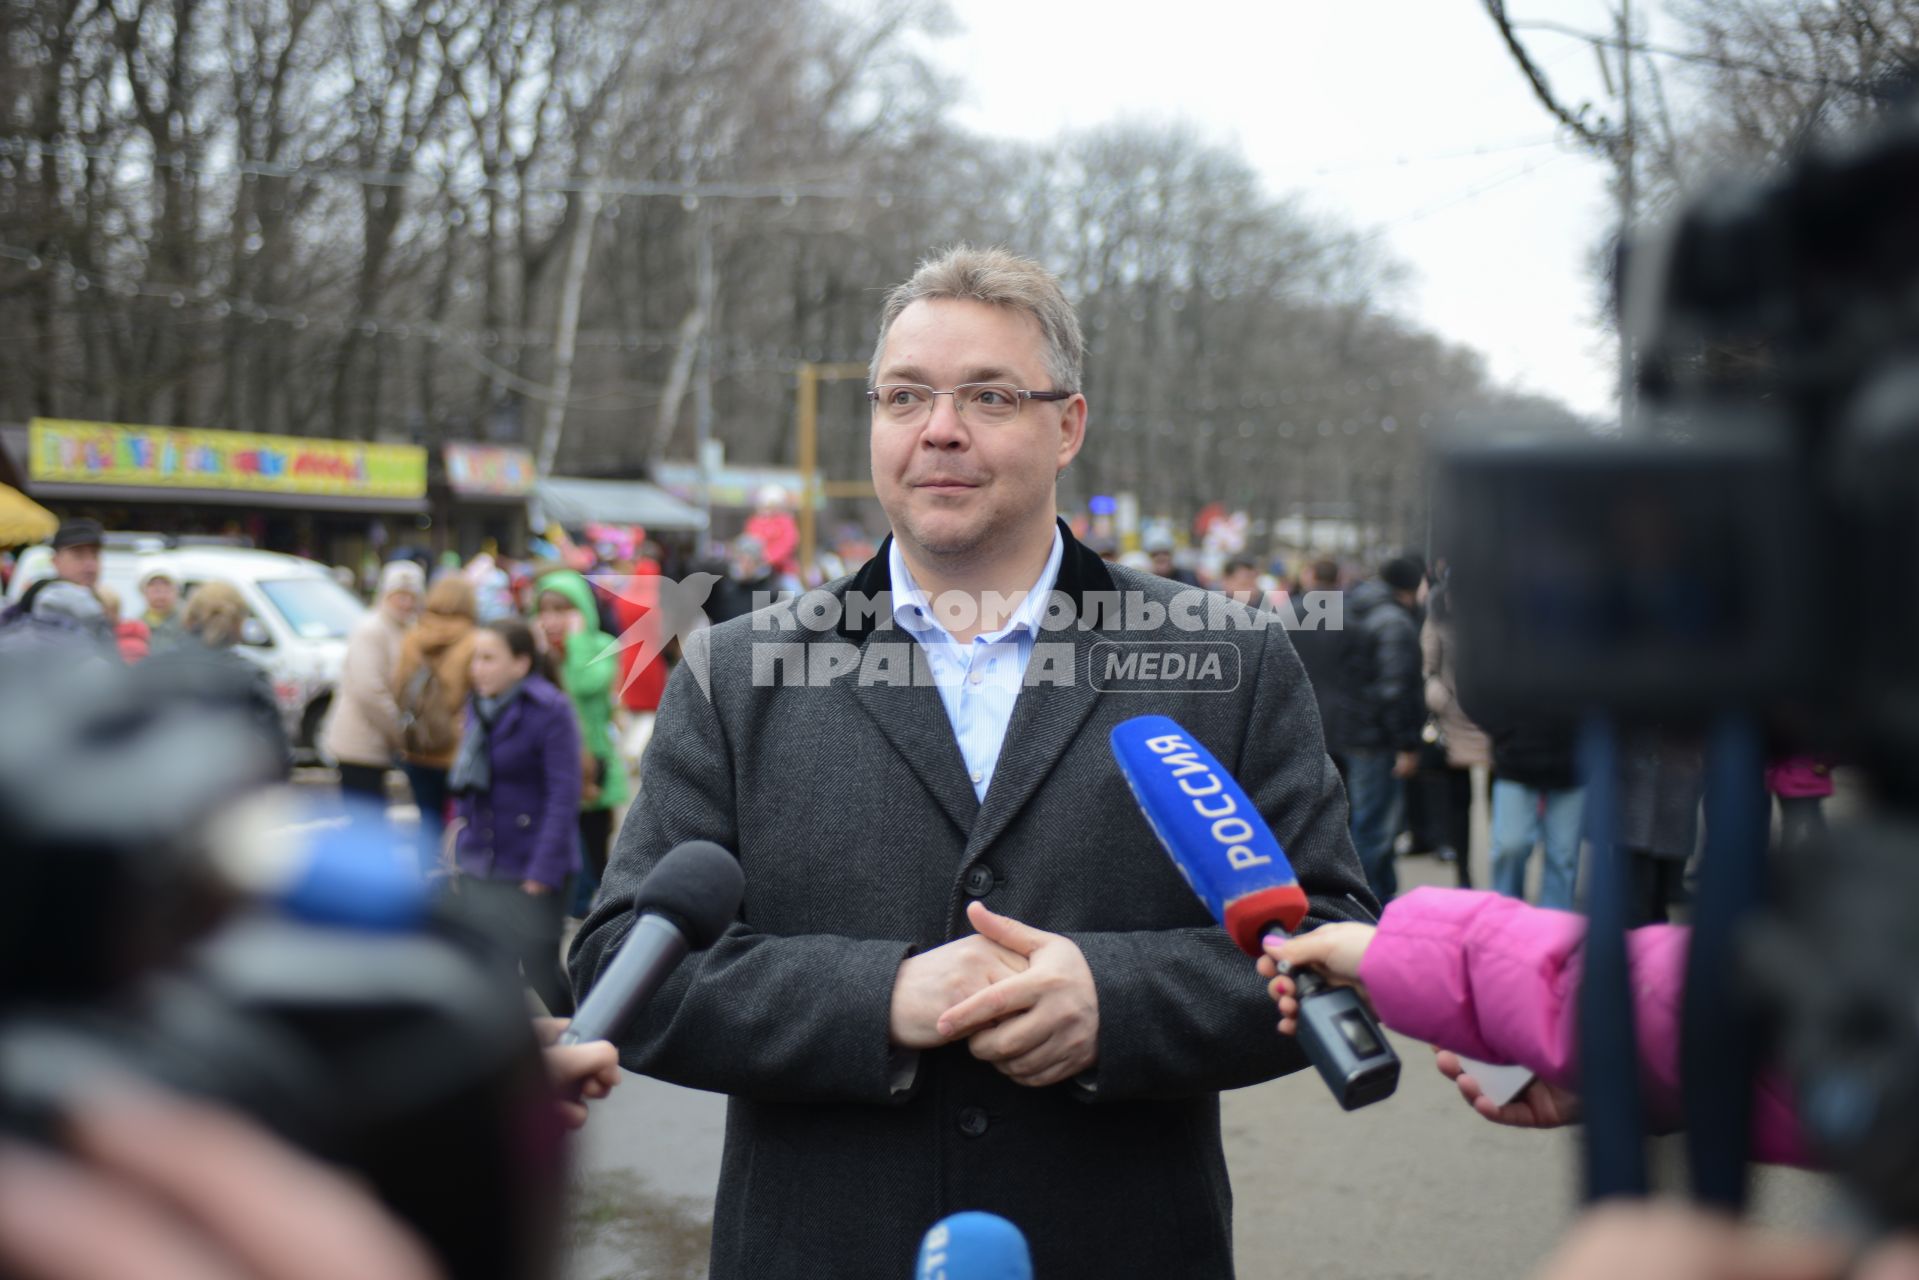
<point x="912" y="611"/>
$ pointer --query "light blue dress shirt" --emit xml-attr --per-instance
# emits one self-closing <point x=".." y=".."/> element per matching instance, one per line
<point x="980" y="681"/>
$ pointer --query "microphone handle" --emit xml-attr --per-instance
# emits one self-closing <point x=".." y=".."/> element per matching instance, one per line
<point x="649" y="955"/>
<point x="1341" y="1037"/>
<point x="1307" y="982"/>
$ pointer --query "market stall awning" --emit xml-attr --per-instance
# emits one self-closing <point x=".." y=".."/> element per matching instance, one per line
<point x="737" y="488"/>
<point x="22" y="520"/>
<point x="573" y="502"/>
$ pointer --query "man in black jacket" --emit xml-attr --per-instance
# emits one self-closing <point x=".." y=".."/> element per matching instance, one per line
<point x="749" y="584"/>
<point x="1386" y="711"/>
<point x="1322" y="651"/>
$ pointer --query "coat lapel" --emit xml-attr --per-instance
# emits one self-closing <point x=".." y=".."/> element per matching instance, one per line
<point x="1047" y="717"/>
<point x="910" y="715"/>
<point x="914" y="720"/>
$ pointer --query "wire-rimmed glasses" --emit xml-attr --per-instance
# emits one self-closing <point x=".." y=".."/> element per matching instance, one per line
<point x="980" y="404"/>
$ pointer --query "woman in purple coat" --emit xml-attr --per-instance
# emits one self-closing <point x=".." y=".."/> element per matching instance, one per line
<point x="516" y="786"/>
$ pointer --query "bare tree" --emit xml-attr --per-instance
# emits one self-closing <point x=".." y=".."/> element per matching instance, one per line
<point x="485" y="218"/>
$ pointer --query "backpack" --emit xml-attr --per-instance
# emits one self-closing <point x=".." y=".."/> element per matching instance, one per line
<point x="428" y="727"/>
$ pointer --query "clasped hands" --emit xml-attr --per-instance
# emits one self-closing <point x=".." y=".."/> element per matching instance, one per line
<point x="1022" y="999"/>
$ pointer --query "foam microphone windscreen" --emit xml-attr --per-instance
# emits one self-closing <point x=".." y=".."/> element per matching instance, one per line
<point x="974" y="1246"/>
<point x="1210" y="828"/>
<point x="698" y="887"/>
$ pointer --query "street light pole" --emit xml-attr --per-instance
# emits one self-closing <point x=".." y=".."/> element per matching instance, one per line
<point x="808" y="417"/>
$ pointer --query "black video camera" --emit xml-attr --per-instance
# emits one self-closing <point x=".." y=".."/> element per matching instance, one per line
<point x="1749" y="548"/>
<point x="156" y="925"/>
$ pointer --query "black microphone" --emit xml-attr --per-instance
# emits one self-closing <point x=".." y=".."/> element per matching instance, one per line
<point x="685" y="903"/>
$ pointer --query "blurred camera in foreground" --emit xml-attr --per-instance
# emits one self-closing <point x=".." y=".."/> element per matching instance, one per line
<point x="1744" y="552"/>
<point x="171" y="918"/>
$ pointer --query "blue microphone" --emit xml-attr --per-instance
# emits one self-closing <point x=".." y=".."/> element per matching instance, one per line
<point x="974" y="1246"/>
<point x="1220" y="842"/>
<point x="1210" y="829"/>
<point x="318" y="865"/>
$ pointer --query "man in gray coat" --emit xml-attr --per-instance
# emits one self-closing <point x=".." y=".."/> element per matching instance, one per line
<point x="965" y="976"/>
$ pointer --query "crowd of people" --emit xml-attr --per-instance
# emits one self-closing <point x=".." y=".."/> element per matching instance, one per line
<point x="1417" y="766"/>
<point x="508" y="730"/>
<point x="1415" y="763"/>
<point x="1418" y="763"/>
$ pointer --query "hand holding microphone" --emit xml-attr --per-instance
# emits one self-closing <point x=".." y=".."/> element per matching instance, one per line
<point x="685" y="903"/>
<point x="1334" y="951"/>
<point x="1220" y="842"/>
<point x="581" y="1073"/>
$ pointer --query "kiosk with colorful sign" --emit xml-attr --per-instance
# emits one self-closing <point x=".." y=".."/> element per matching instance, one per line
<point x="337" y="500"/>
<point x="97" y="454"/>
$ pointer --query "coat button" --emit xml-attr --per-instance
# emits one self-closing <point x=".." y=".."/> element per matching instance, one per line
<point x="980" y="880"/>
<point x="972" y="1121"/>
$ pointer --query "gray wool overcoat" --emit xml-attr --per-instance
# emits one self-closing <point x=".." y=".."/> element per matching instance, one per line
<point x="851" y="812"/>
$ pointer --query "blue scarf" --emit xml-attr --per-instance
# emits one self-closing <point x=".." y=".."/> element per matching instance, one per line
<point x="473" y="767"/>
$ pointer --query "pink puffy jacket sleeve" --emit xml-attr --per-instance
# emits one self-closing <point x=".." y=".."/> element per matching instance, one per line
<point x="1495" y="979"/>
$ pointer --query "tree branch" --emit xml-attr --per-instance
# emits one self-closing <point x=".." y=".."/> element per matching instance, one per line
<point x="1606" y="143"/>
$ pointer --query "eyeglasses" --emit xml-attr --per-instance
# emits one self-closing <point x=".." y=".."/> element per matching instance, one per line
<point x="980" y="404"/>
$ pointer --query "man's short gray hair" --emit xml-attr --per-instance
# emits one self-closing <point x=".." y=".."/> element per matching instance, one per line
<point x="1000" y="279"/>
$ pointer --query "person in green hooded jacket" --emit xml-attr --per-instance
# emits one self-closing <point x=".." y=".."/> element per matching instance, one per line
<point x="569" y="619"/>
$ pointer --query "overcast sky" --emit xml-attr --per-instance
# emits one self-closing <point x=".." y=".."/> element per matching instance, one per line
<point x="1408" y="116"/>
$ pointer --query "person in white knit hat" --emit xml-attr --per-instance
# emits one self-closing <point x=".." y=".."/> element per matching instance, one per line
<point x="164" y="615"/>
<point x="362" y="734"/>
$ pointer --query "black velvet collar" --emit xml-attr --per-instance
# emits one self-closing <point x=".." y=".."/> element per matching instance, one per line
<point x="1080" y="572"/>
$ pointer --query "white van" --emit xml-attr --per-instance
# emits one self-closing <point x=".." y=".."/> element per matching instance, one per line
<point x="299" y="623"/>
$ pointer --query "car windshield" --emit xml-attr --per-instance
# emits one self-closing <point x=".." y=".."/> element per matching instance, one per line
<point x="316" y="608"/>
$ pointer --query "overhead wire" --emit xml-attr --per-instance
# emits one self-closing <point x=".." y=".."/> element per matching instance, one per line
<point x="1463" y="153"/>
<point x="1694" y="56"/>
<point x="1466" y="196"/>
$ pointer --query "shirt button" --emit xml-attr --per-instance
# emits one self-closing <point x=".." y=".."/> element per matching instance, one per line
<point x="980" y="880"/>
<point x="973" y="1122"/>
<point x="979" y="776"/>
<point x="974" y="678"/>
